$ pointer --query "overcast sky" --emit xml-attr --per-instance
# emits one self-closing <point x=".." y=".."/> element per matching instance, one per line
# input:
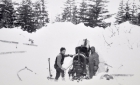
<point x="55" y="6"/>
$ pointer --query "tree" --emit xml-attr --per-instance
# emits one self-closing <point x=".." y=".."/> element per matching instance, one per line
<point x="138" y="18"/>
<point x="74" y="15"/>
<point x="96" y="10"/>
<point x="82" y="12"/>
<point x="40" y="13"/>
<point x="44" y="13"/>
<point x="138" y="15"/>
<point x="58" y="18"/>
<point x="68" y="10"/>
<point x="121" y="13"/>
<point x="133" y="12"/>
<point x="26" y="16"/>
<point x="66" y="15"/>
<point x="37" y="13"/>
<point x="127" y="12"/>
<point x="7" y="14"/>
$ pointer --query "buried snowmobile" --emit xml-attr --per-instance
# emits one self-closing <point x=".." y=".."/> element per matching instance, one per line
<point x="80" y="61"/>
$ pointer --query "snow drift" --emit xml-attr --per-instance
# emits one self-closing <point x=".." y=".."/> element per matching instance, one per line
<point x="118" y="46"/>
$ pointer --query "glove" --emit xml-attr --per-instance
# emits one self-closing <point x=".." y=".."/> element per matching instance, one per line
<point x="63" y="68"/>
<point x="71" y="55"/>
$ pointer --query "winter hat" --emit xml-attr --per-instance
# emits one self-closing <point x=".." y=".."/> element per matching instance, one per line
<point x="92" y="49"/>
<point x="61" y="49"/>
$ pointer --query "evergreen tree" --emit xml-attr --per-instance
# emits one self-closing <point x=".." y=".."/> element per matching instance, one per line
<point x="127" y="12"/>
<point x="26" y="16"/>
<point x="96" y="10"/>
<point x="37" y="13"/>
<point x="16" y="14"/>
<point x="83" y="11"/>
<point x="46" y="18"/>
<point x="7" y="14"/>
<point x="121" y="13"/>
<point x="44" y="13"/>
<point x="41" y="15"/>
<point x="138" y="15"/>
<point x="134" y="13"/>
<point x="138" y="18"/>
<point x="58" y="18"/>
<point x="1" y="14"/>
<point x="66" y="15"/>
<point x="68" y="10"/>
<point x="74" y="15"/>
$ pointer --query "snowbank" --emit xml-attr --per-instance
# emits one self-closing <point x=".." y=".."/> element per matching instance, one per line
<point x="118" y="46"/>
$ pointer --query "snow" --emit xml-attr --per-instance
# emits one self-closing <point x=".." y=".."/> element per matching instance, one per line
<point x="123" y="54"/>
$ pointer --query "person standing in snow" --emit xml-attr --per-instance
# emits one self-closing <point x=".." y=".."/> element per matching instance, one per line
<point x="59" y="62"/>
<point x="93" y="62"/>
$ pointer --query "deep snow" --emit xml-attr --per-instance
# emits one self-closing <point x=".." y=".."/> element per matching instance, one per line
<point x="123" y="54"/>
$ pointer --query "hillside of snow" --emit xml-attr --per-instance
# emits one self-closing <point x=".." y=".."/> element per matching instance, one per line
<point x="117" y="45"/>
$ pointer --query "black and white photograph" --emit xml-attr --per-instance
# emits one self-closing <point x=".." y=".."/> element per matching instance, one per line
<point x="69" y="42"/>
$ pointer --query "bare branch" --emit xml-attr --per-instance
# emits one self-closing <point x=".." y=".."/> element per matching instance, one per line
<point x="117" y="29"/>
<point x="22" y="70"/>
<point x="125" y="31"/>
<point x="107" y="42"/>
<point x="129" y="31"/>
<point x="130" y="46"/>
<point x="113" y="33"/>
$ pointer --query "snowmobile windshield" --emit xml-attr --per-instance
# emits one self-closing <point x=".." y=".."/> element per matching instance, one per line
<point x="83" y="43"/>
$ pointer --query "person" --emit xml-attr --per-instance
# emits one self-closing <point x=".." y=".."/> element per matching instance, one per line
<point x="93" y="62"/>
<point x="59" y="62"/>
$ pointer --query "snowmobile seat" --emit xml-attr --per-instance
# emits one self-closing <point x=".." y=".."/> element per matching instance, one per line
<point x="83" y="50"/>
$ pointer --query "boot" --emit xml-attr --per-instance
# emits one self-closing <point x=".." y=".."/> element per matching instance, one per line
<point x="55" y="80"/>
<point x="63" y="79"/>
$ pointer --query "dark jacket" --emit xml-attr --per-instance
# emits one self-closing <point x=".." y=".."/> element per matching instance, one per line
<point x="60" y="60"/>
<point x="94" y="59"/>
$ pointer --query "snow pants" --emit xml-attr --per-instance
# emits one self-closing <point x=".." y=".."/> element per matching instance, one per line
<point x="92" y="70"/>
<point x="58" y="72"/>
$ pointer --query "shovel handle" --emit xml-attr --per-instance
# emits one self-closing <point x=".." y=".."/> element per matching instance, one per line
<point x="48" y="59"/>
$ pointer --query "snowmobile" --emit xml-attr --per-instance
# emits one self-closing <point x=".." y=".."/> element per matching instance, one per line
<point x="80" y="62"/>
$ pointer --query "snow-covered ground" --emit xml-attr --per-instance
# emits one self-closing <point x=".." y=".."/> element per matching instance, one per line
<point x="118" y="46"/>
